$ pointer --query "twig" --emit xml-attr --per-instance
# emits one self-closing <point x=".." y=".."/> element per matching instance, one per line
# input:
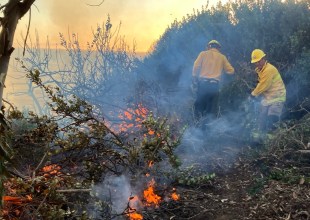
<point x="304" y="151"/>
<point x="3" y="6"/>
<point x="17" y="173"/>
<point x="39" y="165"/>
<point x="72" y="190"/>
<point x="246" y="83"/>
<point x="43" y="201"/>
<point x="27" y="34"/>
<point x="97" y="4"/>
<point x="304" y="213"/>
<point x="3" y="100"/>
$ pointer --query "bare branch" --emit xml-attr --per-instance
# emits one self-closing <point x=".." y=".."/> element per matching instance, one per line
<point x="25" y="6"/>
<point x="25" y="40"/>
<point x="97" y="4"/>
<point x="72" y="190"/>
<point x="3" y="6"/>
<point x="39" y="165"/>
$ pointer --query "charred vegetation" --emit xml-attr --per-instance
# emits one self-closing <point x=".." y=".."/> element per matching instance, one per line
<point x="118" y="139"/>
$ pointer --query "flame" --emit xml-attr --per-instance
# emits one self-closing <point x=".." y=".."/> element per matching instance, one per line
<point x="50" y="170"/>
<point x="151" y="132"/>
<point x="151" y="163"/>
<point x="18" y="203"/>
<point x="150" y="196"/>
<point x="150" y="199"/>
<point x="17" y="200"/>
<point x="128" y="115"/>
<point x="13" y="199"/>
<point x="130" y="119"/>
<point x="175" y="196"/>
<point x="135" y="216"/>
<point x="134" y="203"/>
<point x="14" y="204"/>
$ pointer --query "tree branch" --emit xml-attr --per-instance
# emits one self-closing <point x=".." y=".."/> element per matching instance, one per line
<point x="72" y="190"/>
<point x="25" y="6"/>
<point x="97" y="4"/>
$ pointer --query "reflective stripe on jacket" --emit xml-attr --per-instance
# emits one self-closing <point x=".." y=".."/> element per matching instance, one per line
<point x="210" y="64"/>
<point x="270" y="85"/>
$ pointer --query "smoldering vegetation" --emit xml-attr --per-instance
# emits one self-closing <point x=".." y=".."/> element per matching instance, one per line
<point x="114" y="121"/>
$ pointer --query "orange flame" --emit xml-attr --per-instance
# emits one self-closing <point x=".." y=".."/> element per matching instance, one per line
<point x="175" y="196"/>
<point x="151" y="163"/>
<point x="150" y="196"/>
<point x="130" y="119"/>
<point x="13" y="199"/>
<point x="50" y="170"/>
<point x="134" y="116"/>
<point x="15" y="210"/>
<point x="134" y="203"/>
<point x="151" y="132"/>
<point x="17" y="200"/>
<point x="135" y="216"/>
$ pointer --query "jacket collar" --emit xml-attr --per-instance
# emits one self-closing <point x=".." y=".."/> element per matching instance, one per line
<point x="214" y="49"/>
<point x="260" y="70"/>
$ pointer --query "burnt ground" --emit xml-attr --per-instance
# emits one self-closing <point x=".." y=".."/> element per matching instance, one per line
<point x="252" y="185"/>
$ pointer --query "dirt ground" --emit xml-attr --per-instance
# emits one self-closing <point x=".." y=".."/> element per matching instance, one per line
<point x="246" y="187"/>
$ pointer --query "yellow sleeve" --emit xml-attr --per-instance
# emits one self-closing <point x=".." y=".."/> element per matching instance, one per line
<point x="228" y="67"/>
<point x="197" y="65"/>
<point x="265" y="81"/>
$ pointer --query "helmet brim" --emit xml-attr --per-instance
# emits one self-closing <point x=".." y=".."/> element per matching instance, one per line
<point x="258" y="59"/>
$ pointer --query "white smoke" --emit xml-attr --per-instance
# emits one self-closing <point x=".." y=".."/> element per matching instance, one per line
<point x="115" y="191"/>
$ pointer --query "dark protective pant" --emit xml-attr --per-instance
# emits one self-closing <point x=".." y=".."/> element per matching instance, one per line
<point x="269" y="116"/>
<point x="206" y="103"/>
<point x="271" y="121"/>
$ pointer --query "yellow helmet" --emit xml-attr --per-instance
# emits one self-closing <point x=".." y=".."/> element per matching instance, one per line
<point x="257" y="55"/>
<point x="214" y="42"/>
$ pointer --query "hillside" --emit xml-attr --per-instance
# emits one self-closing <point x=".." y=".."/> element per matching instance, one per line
<point x="116" y="138"/>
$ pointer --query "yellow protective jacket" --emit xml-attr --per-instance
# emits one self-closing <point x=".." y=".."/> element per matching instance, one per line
<point x="270" y="85"/>
<point x="210" y="64"/>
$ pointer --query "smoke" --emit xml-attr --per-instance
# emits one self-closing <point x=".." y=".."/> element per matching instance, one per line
<point x="59" y="13"/>
<point x="115" y="191"/>
<point x="221" y="137"/>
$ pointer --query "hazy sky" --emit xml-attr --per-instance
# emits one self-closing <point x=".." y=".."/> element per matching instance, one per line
<point x="143" y="21"/>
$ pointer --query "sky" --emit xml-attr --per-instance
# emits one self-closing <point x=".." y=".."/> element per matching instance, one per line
<point x="142" y="21"/>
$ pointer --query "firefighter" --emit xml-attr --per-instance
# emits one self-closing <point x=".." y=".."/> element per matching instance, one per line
<point x="207" y="71"/>
<point x="270" y="88"/>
